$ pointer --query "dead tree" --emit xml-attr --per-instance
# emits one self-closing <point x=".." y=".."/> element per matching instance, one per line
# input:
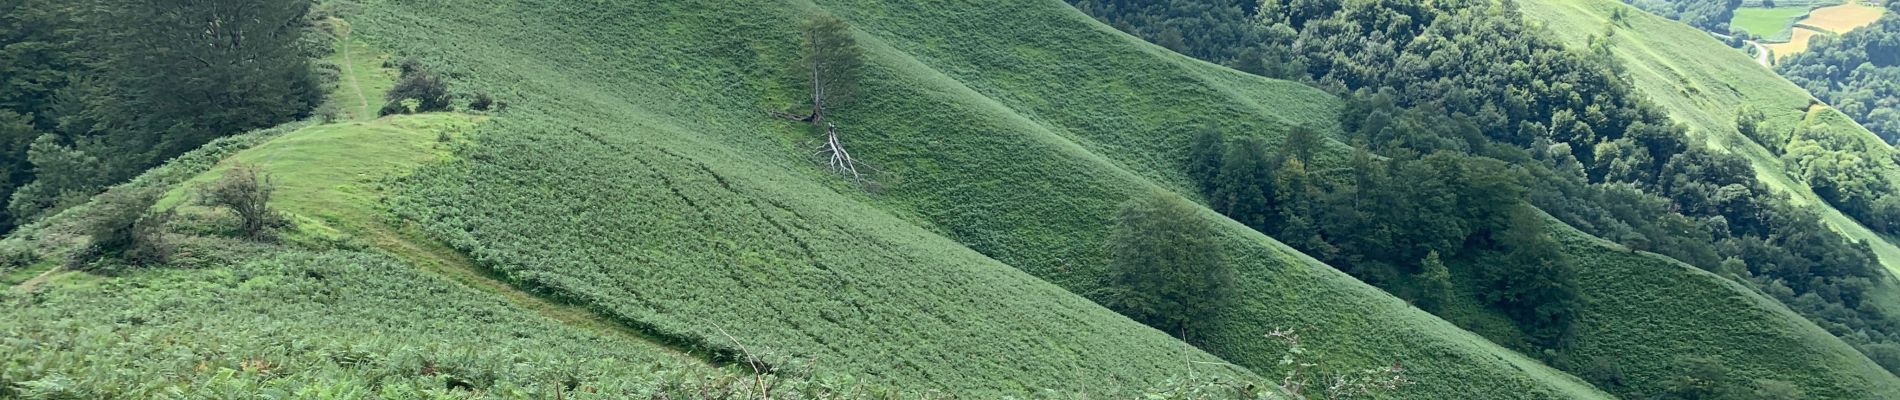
<point x="835" y="157"/>
<point x="832" y="62"/>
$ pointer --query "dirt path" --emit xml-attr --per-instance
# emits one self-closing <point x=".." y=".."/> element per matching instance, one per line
<point x="349" y="70"/>
<point x="35" y="282"/>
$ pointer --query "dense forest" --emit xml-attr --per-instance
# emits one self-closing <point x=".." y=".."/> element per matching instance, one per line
<point x="1710" y="15"/>
<point x="1465" y="118"/>
<point x="1858" y="72"/>
<point x="87" y="101"/>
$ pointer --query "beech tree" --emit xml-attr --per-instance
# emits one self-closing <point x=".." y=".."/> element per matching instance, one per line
<point x="1243" y="191"/>
<point x="1204" y="158"/>
<point x="1168" y="271"/>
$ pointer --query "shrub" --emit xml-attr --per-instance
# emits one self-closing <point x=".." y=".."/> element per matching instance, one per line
<point x="430" y="93"/>
<point x="121" y="224"/>
<point x="482" y="102"/>
<point x="14" y="254"/>
<point x="247" y="193"/>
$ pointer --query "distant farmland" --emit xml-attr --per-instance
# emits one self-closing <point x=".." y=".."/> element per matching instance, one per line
<point x="1789" y="29"/>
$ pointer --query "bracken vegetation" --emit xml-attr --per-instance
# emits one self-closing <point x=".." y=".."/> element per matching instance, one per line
<point x="583" y="199"/>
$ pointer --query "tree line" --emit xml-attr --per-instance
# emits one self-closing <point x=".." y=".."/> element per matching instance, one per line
<point x="94" y="92"/>
<point x="1478" y="113"/>
<point x="1710" y="15"/>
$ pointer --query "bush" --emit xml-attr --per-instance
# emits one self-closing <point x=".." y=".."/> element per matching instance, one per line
<point x="428" y="92"/>
<point x="122" y="224"/>
<point x="15" y="254"/>
<point x="247" y="193"/>
<point x="482" y="102"/>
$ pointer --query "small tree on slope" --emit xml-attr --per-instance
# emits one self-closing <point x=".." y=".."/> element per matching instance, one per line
<point x="1169" y="272"/>
<point x="832" y="63"/>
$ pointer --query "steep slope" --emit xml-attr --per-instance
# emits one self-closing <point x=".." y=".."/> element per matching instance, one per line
<point x="1702" y="83"/>
<point x="1088" y="101"/>
<point x="637" y="172"/>
<point x="1677" y="317"/>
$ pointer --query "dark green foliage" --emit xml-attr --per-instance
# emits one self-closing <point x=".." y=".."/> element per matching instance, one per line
<point x="1473" y="78"/>
<point x="1205" y="158"/>
<point x="1301" y="144"/>
<point x="36" y="61"/>
<point x="1705" y="378"/>
<point x="1388" y="223"/>
<point x="184" y="73"/>
<point x="1212" y="30"/>
<point x="1844" y="170"/>
<point x="191" y="71"/>
<point x="1244" y="189"/>
<point x="1434" y="288"/>
<point x="482" y="102"/>
<point x="1710" y="15"/>
<point x="1168" y="271"/>
<point x="1532" y="282"/>
<point x="121" y="224"/>
<point x="1857" y="72"/>
<point x="65" y="177"/>
<point x="422" y="91"/>
<point x="247" y="193"/>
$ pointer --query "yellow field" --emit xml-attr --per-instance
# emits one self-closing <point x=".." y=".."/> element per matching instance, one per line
<point x="1843" y="18"/>
<point x="1796" y="44"/>
<point x="1836" y="19"/>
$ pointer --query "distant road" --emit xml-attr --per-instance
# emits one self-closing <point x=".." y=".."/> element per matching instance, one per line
<point x="1761" y="52"/>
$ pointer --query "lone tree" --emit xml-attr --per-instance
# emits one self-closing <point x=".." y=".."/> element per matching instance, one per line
<point x="246" y="193"/>
<point x="1168" y="270"/>
<point x="832" y="62"/>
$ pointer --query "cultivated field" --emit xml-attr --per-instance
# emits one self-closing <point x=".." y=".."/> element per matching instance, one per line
<point x="1788" y="29"/>
<point x="1771" y="23"/>
<point x="1842" y="18"/>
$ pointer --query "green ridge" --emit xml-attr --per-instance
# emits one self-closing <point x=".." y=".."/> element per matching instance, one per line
<point x="1010" y="128"/>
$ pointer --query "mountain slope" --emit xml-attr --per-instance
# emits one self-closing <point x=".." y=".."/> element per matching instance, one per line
<point x="1620" y="319"/>
<point x="608" y="93"/>
<point x="1116" y="120"/>
<point x="1703" y="83"/>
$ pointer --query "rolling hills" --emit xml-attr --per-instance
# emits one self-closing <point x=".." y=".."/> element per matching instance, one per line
<point x="638" y="199"/>
<point x="964" y="158"/>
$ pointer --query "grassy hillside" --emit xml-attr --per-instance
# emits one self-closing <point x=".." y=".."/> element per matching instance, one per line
<point x="244" y="319"/>
<point x="1016" y="141"/>
<point x="1643" y="303"/>
<point x="338" y="324"/>
<point x="638" y="199"/>
<point x="1153" y="145"/>
<point x="1702" y="85"/>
